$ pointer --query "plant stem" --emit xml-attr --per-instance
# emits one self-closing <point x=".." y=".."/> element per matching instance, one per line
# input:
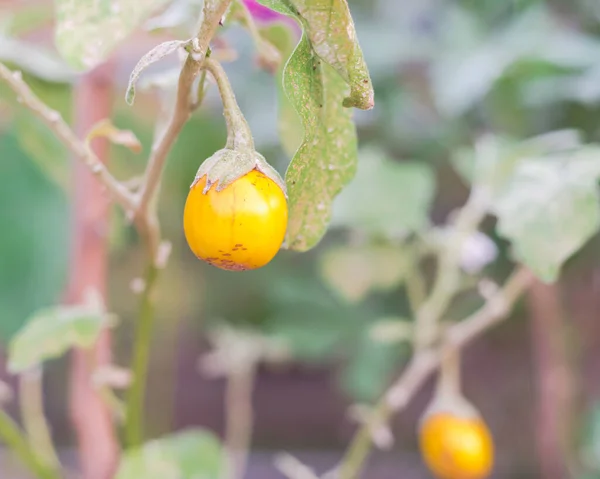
<point x="416" y="289"/>
<point x="447" y="282"/>
<point x="16" y="441"/>
<point x="141" y="354"/>
<point x="239" y="136"/>
<point x="238" y="399"/>
<point x="34" y="420"/>
<point x="424" y="363"/>
<point x="554" y="381"/>
<point x="213" y="11"/>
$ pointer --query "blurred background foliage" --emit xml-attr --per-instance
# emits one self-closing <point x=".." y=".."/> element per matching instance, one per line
<point x="444" y="73"/>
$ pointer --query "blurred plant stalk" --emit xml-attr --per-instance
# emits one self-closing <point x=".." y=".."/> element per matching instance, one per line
<point x="91" y="416"/>
<point x="554" y="380"/>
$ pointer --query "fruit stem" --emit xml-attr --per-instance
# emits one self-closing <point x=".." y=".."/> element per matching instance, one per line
<point x="239" y="136"/>
<point x="449" y="379"/>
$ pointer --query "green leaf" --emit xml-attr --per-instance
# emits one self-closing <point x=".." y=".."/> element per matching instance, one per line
<point x="190" y="454"/>
<point x="315" y="78"/>
<point x="550" y="207"/>
<point x="154" y="55"/>
<point x="86" y="32"/>
<point x="332" y="36"/>
<point x="326" y="160"/>
<point x="386" y="198"/>
<point x="355" y="271"/>
<point x="51" y="332"/>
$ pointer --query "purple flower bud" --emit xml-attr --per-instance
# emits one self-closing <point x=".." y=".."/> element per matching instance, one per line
<point x="262" y="13"/>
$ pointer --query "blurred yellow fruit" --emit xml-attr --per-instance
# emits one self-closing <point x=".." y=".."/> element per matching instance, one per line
<point x="455" y="447"/>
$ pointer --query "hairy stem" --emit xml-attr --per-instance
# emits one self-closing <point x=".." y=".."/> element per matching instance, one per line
<point x="239" y="136"/>
<point x="134" y="433"/>
<point x="240" y="383"/>
<point x="12" y="436"/>
<point x="424" y="363"/>
<point x="31" y="398"/>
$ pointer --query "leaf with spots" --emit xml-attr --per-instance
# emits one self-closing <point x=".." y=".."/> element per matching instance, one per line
<point x="325" y="74"/>
<point x="326" y="160"/>
<point x="550" y="207"/>
<point x="330" y="30"/>
<point x="87" y="31"/>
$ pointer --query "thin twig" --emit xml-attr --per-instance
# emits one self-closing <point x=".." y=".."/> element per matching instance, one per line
<point x="425" y="361"/>
<point x="63" y="132"/>
<point x="14" y="438"/>
<point x="34" y="419"/>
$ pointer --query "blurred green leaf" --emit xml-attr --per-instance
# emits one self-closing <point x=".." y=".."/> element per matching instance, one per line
<point x="179" y="14"/>
<point x="190" y="454"/>
<point x="581" y="87"/>
<point x="463" y="75"/>
<point x="87" y="32"/>
<point x="51" y="332"/>
<point x="35" y="59"/>
<point x="386" y="198"/>
<point x="493" y="159"/>
<point x="355" y="271"/>
<point x="369" y="369"/>
<point x="291" y="131"/>
<point x="310" y="320"/>
<point x="33" y="240"/>
<point x="549" y="208"/>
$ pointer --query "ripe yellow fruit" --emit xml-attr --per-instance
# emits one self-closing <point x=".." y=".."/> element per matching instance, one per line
<point x="241" y="227"/>
<point x="455" y="447"/>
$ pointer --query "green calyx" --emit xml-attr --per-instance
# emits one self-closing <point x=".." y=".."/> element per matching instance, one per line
<point x="227" y="165"/>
